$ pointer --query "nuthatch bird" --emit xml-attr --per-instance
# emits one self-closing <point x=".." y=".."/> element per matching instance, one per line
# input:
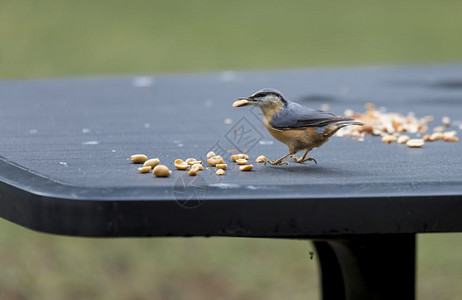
<point x="297" y="126"/>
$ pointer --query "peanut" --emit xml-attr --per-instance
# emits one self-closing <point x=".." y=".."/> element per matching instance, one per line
<point x="427" y="137"/>
<point x="221" y="166"/>
<point x="240" y="102"/>
<point x="180" y="164"/>
<point x="213" y="161"/>
<point x="446" y="121"/>
<point x="210" y="154"/>
<point x="246" y="168"/>
<point x="198" y="166"/>
<point x="450" y="133"/>
<point x="437" y="136"/>
<point x="138" y="158"/>
<point x="151" y="163"/>
<point x="415" y="143"/>
<point x="241" y="161"/>
<point x="220" y="172"/>
<point x="451" y="139"/>
<point x="348" y="113"/>
<point x="387" y="139"/>
<point x="239" y="156"/>
<point x="261" y="159"/>
<point x="161" y="171"/>
<point x="190" y="161"/>
<point x="193" y="171"/>
<point x="403" y="139"/>
<point x="145" y="169"/>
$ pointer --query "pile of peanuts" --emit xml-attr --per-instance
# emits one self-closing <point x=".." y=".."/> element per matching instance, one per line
<point x="217" y="162"/>
<point x="241" y="160"/>
<point x="151" y="164"/>
<point x="395" y="127"/>
<point x="191" y="164"/>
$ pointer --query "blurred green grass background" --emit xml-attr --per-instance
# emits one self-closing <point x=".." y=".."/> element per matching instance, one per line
<point x="80" y="38"/>
<point x="61" y="38"/>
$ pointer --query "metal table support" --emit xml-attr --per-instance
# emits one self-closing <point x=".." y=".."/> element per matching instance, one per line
<point x="368" y="267"/>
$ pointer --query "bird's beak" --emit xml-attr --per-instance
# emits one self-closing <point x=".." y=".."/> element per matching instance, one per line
<point x="244" y="101"/>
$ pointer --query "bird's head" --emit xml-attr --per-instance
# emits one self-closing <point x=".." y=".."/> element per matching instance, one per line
<point x="266" y="99"/>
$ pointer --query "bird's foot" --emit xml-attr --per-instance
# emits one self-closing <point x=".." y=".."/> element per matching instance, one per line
<point x="278" y="162"/>
<point x="302" y="160"/>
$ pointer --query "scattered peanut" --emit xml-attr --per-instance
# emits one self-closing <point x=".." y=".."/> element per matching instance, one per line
<point x="161" y="171"/>
<point x="451" y="139"/>
<point x="415" y="143"/>
<point x="436" y="136"/>
<point x="450" y="133"/>
<point x="446" y="121"/>
<point x="220" y="172"/>
<point x="180" y="164"/>
<point x="210" y="154"/>
<point x="240" y="102"/>
<point x="239" y="156"/>
<point x="427" y="137"/>
<point x="138" y="158"/>
<point x="221" y="166"/>
<point x="367" y="129"/>
<point x="178" y="161"/>
<point x="423" y="128"/>
<point x="241" y="161"/>
<point x="213" y="161"/>
<point x="428" y="118"/>
<point x="198" y="166"/>
<point x="403" y="139"/>
<point x="246" y="168"/>
<point x="190" y="161"/>
<point x="151" y="163"/>
<point x="193" y="171"/>
<point x="439" y="129"/>
<point x="370" y="106"/>
<point x="389" y="139"/>
<point x="348" y="113"/>
<point x="146" y="169"/>
<point x="261" y="159"/>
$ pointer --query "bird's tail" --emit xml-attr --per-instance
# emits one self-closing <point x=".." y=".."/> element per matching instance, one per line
<point x="344" y="123"/>
<point x="336" y="126"/>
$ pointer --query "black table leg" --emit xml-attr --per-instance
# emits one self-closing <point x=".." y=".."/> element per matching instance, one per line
<point x="368" y="267"/>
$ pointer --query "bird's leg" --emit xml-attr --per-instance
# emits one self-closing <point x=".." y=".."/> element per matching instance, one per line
<point x="303" y="158"/>
<point x="279" y="161"/>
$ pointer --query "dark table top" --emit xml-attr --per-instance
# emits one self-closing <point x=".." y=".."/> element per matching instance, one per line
<point x="65" y="144"/>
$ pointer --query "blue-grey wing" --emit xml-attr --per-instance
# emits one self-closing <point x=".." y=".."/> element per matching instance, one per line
<point x="295" y="116"/>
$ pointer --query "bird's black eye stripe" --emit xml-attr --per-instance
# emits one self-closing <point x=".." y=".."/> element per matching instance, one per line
<point x="260" y="95"/>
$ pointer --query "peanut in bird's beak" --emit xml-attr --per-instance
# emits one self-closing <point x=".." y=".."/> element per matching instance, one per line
<point x="243" y="102"/>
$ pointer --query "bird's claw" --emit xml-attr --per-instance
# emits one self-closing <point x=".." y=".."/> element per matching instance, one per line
<point x="302" y="160"/>
<point x="276" y="163"/>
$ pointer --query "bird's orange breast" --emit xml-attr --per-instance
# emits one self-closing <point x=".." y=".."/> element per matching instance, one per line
<point x="297" y="139"/>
